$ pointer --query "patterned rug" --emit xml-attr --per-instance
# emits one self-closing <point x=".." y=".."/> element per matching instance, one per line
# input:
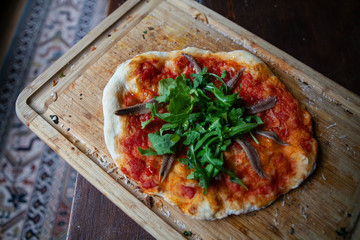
<point x="36" y="185"/>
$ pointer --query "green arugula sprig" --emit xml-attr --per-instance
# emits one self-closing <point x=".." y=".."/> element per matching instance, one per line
<point x="205" y="124"/>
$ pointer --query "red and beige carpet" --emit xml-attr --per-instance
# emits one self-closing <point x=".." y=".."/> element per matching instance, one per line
<point x="36" y="185"/>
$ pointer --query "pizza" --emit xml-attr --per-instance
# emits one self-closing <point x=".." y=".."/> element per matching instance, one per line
<point x="214" y="134"/>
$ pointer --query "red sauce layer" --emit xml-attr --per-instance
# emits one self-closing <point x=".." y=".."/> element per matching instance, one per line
<point x="141" y="168"/>
<point x="187" y="191"/>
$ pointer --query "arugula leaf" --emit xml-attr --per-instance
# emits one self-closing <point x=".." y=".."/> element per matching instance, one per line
<point x="180" y="103"/>
<point x="255" y="118"/>
<point x="165" y="87"/>
<point x="202" y="95"/>
<point x="241" y="129"/>
<point x="204" y="180"/>
<point x="163" y="144"/>
<point x="192" y="175"/>
<point x="216" y="172"/>
<point x="147" y="152"/>
<point x="200" y="128"/>
<point x="173" y="118"/>
<point x="208" y="157"/>
<point x="181" y="83"/>
<point x="199" y="172"/>
<point x="210" y="141"/>
<point x="209" y="169"/>
<point x="203" y="139"/>
<point x="204" y="118"/>
<point x="153" y="108"/>
<point x="225" y="145"/>
<point x="234" y="178"/>
<point x="253" y="137"/>
<point x="224" y="100"/>
<point x="193" y="117"/>
<point x="168" y="117"/>
<point x="168" y="126"/>
<point x="184" y="161"/>
<point x="221" y="80"/>
<point x="198" y="80"/>
<point x="236" y="116"/>
<point x="144" y="124"/>
<point x="216" y="125"/>
<point x="191" y="136"/>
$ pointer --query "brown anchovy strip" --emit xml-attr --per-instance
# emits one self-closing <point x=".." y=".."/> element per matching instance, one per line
<point x="148" y="200"/>
<point x="271" y="135"/>
<point x="139" y="108"/>
<point x="262" y="105"/>
<point x="252" y="156"/>
<point x="166" y="163"/>
<point x="193" y="62"/>
<point x="232" y="82"/>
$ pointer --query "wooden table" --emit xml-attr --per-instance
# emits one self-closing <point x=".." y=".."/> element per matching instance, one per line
<point x="325" y="35"/>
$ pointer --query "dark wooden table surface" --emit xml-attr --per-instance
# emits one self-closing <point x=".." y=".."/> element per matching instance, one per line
<point x="325" y="35"/>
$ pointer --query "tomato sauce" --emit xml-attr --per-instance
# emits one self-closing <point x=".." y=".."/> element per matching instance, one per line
<point x="280" y="169"/>
<point x="250" y="89"/>
<point x="142" y="168"/>
<point x="137" y="167"/>
<point x="187" y="191"/>
<point x="150" y="72"/>
<point x="306" y="144"/>
<point x="130" y="100"/>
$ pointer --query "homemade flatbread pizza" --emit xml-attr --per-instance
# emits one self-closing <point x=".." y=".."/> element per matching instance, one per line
<point x="213" y="133"/>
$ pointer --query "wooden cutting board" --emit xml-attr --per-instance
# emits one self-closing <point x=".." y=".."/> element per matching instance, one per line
<point x="324" y="206"/>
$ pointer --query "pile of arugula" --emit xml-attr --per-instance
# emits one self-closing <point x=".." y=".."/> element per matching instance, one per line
<point x="206" y="125"/>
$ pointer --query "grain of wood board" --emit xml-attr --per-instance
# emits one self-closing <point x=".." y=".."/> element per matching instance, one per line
<point x="324" y="205"/>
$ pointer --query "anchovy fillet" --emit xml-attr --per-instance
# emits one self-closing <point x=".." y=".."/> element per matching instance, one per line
<point x="233" y="81"/>
<point x="139" y="108"/>
<point x="166" y="163"/>
<point x="262" y="105"/>
<point x="252" y="156"/>
<point x="271" y="135"/>
<point x="190" y="58"/>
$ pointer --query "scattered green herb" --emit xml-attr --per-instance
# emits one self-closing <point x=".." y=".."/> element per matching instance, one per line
<point x="147" y="152"/>
<point x="187" y="233"/>
<point x="202" y="117"/>
<point x="342" y="232"/>
<point x="145" y="32"/>
<point x="144" y="124"/>
<point x="62" y="75"/>
<point x="253" y="137"/>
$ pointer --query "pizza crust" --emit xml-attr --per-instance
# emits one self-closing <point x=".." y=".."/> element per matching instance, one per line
<point x="201" y="206"/>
